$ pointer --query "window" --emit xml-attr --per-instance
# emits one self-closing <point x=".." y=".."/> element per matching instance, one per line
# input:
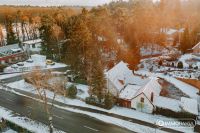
<point x="151" y="96"/>
<point x="33" y="45"/>
<point x="142" y="100"/>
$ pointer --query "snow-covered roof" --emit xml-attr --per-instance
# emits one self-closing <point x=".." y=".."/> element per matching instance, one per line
<point x="8" y="48"/>
<point x="38" y="56"/>
<point x="137" y="80"/>
<point x="167" y="103"/>
<point x="129" y="92"/>
<point x="30" y="42"/>
<point x="119" y="75"/>
<point x="197" y="46"/>
<point x="132" y="91"/>
<point x="171" y="31"/>
<point x="16" y="49"/>
<point x="189" y="105"/>
<point x="151" y="86"/>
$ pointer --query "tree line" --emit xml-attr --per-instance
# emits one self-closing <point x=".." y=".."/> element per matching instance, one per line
<point x="93" y="40"/>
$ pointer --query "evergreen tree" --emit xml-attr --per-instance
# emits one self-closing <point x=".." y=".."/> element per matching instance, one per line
<point x="45" y="34"/>
<point x="109" y="101"/>
<point x="11" y="37"/>
<point x="97" y="80"/>
<point x="77" y="48"/>
<point x="72" y="91"/>
<point x="180" y="64"/>
<point x="185" y="41"/>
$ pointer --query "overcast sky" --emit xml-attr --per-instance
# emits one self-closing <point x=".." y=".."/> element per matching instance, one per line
<point x="54" y="2"/>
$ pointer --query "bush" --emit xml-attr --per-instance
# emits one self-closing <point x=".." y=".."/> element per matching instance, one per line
<point x="109" y="101"/>
<point x="160" y="63"/>
<point x="170" y="113"/>
<point x="107" y="104"/>
<point x="80" y="81"/>
<point x="196" y="67"/>
<point x="180" y="64"/>
<point x="94" y="101"/>
<point x="172" y="64"/>
<point x="190" y="66"/>
<point x="2" y="67"/>
<point x="72" y="91"/>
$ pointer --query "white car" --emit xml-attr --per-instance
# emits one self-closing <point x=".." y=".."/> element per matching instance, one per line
<point x="20" y="64"/>
<point x="29" y="61"/>
<point x="14" y="66"/>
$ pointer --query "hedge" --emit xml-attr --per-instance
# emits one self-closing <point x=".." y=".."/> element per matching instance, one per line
<point x="170" y="113"/>
<point x="93" y="101"/>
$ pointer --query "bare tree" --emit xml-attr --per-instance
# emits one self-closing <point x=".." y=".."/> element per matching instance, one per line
<point x="43" y="81"/>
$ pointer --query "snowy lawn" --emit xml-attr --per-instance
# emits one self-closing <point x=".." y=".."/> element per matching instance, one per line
<point x="24" y="122"/>
<point x="115" y="110"/>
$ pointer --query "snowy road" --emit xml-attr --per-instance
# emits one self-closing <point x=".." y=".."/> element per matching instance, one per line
<point x="63" y="120"/>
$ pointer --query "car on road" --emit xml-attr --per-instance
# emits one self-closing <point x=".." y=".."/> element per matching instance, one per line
<point x="20" y="64"/>
<point x="29" y="61"/>
<point x="50" y="62"/>
<point x="14" y="66"/>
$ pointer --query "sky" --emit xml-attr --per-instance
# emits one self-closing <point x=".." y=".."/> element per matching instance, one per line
<point x="54" y="2"/>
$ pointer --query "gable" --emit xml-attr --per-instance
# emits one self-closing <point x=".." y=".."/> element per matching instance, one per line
<point x="197" y="46"/>
<point x="145" y="97"/>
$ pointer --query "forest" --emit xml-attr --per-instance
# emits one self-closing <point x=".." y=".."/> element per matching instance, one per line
<point x="91" y="40"/>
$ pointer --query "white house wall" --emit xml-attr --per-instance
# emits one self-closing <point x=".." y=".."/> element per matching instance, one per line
<point x="148" y="107"/>
<point x="112" y="89"/>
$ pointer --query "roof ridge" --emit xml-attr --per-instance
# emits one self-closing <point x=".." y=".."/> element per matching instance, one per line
<point x="196" y="45"/>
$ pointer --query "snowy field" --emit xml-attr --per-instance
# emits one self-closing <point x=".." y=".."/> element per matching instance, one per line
<point x="115" y="110"/>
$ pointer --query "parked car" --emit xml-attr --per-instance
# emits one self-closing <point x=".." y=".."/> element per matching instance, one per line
<point x="29" y="61"/>
<point x="20" y="64"/>
<point x="50" y="62"/>
<point x="14" y="66"/>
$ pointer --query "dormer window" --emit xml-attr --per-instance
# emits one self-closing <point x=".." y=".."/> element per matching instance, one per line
<point x="152" y="96"/>
<point x="121" y="81"/>
<point x="142" y="100"/>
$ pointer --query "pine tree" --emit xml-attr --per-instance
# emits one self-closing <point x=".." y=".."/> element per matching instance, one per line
<point x="11" y="37"/>
<point x="97" y="81"/>
<point x="77" y="48"/>
<point x="45" y="34"/>
<point x="109" y="101"/>
<point x="185" y="41"/>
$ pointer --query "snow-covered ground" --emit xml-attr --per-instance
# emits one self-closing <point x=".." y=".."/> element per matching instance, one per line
<point x="28" y="66"/>
<point x="152" y="49"/>
<point x="119" y="122"/>
<point x="9" y="131"/>
<point x="184" y="87"/>
<point x="40" y="128"/>
<point x="24" y="122"/>
<point x="186" y="72"/>
<point x="185" y="58"/>
<point x="115" y="110"/>
<point x="5" y="76"/>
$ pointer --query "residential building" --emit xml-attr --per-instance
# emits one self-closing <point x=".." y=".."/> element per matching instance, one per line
<point x="11" y="54"/>
<point x="32" y="46"/>
<point x="140" y="97"/>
